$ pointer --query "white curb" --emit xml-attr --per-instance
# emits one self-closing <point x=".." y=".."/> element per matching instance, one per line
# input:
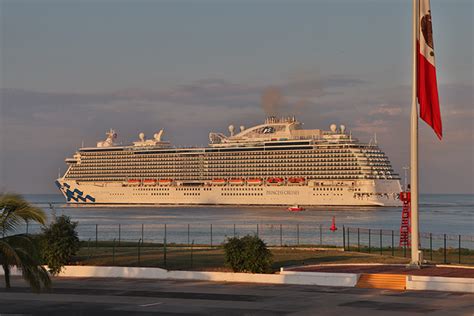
<point x="284" y="277"/>
<point x="429" y="283"/>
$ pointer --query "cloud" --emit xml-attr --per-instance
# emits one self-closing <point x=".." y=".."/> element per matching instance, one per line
<point x="385" y="109"/>
<point x="213" y="92"/>
<point x="371" y="127"/>
<point x="45" y="127"/>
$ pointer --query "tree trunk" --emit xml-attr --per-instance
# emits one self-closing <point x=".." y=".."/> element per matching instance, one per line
<point x="6" y="270"/>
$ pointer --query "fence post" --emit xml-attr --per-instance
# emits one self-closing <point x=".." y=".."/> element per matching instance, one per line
<point x="459" y="249"/>
<point x="445" y="248"/>
<point x="281" y="235"/>
<point x="369" y="240"/>
<point x="344" y="237"/>
<point x="234" y="230"/>
<point x="188" y="235"/>
<point x="320" y="234"/>
<point x="348" y="239"/>
<point x="211" y="235"/>
<point x="358" y="239"/>
<point x="381" y="246"/>
<point x="96" y="233"/>
<point x="143" y="239"/>
<point x="164" y="249"/>
<point x="431" y="246"/>
<point x="393" y="244"/>
<point x="297" y="234"/>
<point x="119" y="235"/>
<point x="113" y="252"/>
<point x="89" y="247"/>
<point x="139" y="241"/>
<point x="192" y="246"/>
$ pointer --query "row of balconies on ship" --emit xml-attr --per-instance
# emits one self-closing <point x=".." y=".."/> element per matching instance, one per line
<point x="292" y="168"/>
<point x="269" y="171"/>
<point x="192" y="178"/>
<point x="221" y="153"/>
<point x="370" y="161"/>
<point x="225" y="164"/>
<point x="177" y="165"/>
<point x="171" y="175"/>
<point x="377" y="154"/>
<point x="368" y="153"/>
<point x="222" y="161"/>
<point x="257" y="168"/>
<point x="378" y="158"/>
<point x="372" y="157"/>
<point x="221" y="158"/>
<point x="376" y="166"/>
<point x="375" y="162"/>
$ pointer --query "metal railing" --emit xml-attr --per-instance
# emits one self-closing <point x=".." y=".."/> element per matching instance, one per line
<point x="437" y="248"/>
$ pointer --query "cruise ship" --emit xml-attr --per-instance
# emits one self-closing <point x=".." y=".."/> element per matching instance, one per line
<point x="274" y="163"/>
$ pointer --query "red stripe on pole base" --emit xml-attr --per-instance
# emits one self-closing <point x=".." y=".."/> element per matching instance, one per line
<point x="427" y="92"/>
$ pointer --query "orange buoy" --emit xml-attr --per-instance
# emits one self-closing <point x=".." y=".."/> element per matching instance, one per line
<point x="333" y="225"/>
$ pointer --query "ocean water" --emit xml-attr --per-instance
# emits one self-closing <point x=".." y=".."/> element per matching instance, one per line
<point x="439" y="214"/>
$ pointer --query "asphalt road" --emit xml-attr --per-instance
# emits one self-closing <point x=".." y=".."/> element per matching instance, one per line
<point x="97" y="296"/>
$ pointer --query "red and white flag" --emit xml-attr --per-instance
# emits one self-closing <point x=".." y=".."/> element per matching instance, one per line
<point x="427" y="89"/>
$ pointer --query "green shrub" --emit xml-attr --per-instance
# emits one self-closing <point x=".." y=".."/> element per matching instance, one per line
<point x="248" y="254"/>
<point x="59" y="243"/>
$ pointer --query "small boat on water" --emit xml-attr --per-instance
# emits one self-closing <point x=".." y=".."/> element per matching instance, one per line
<point x="296" y="208"/>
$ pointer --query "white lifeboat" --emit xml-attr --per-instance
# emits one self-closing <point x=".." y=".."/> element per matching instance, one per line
<point x="296" y="181"/>
<point x="254" y="181"/>
<point x="149" y="182"/>
<point x="275" y="181"/>
<point x="236" y="181"/>
<point x="133" y="181"/>
<point x="165" y="181"/>
<point x="218" y="181"/>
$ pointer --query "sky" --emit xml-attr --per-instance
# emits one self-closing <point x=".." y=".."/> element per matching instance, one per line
<point x="72" y="69"/>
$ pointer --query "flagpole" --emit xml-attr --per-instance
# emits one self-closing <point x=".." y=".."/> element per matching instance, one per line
<point x="415" y="258"/>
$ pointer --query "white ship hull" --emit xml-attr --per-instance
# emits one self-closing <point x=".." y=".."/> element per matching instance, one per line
<point x="337" y="193"/>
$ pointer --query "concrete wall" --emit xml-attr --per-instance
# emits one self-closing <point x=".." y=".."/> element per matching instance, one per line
<point x="322" y="278"/>
<point x="285" y="277"/>
<point x="440" y="284"/>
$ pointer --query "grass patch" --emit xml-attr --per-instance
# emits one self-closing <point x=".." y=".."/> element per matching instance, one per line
<point x="199" y="258"/>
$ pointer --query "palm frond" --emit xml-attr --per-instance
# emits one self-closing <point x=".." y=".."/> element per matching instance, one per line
<point x="8" y="254"/>
<point x="32" y="270"/>
<point x="15" y="210"/>
<point x="19" y="250"/>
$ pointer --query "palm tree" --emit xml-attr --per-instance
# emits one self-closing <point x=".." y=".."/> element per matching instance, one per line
<point x="19" y="250"/>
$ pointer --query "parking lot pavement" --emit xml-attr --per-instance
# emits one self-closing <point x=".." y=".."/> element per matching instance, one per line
<point x="91" y="296"/>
